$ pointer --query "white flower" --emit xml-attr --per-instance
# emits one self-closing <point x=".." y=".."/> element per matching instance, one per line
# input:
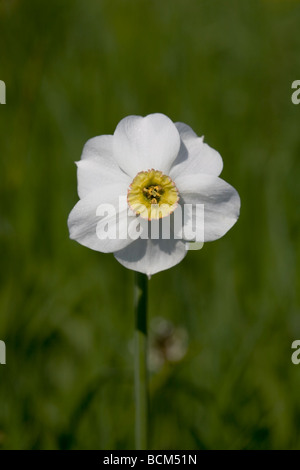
<point x="156" y="166"/>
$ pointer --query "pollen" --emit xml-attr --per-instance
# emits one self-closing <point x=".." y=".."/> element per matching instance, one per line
<point x="152" y="195"/>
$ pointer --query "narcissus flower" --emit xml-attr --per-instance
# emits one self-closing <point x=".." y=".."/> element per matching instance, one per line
<point x="148" y="172"/>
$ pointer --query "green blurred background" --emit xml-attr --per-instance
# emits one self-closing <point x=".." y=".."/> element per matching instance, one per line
<point x="73" y="70"/>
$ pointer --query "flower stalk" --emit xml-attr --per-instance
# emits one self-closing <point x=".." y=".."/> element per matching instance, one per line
<point x="141" y="372"/>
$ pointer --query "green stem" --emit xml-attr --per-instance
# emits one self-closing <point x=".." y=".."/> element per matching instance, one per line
<point x="141" y="374"/>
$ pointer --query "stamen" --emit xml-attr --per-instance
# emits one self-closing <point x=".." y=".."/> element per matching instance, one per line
<point x="151" y="188"/>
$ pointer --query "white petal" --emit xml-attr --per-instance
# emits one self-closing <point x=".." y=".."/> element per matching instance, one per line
<point x="185" y="131"/>
<point x="96" y="173"/>
<point x="100" y="146"/>
<point x="152" y="256"/>
<point x="84" y="222"/>
<point x="142" y="143"/>
<point x="195" y="156"/>
<point x="97" y="166"/>
<point x="221" y="203"/>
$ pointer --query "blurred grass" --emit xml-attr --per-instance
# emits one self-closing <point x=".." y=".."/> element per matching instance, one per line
<point x="72" y="71"/>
